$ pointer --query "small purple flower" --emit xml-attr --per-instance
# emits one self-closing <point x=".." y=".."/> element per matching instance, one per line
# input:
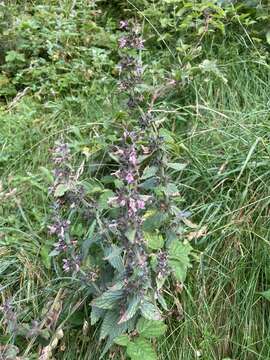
<point x="129" y="178"/>
<point x="133" y="157"/>
<point x="123" y="41"/>
<point x="123" y="24"/>
<point x="140" y="204"/>
<point x="138" y="43"/>
<point x="138" y="70"/>
<point x="67" y="265"/>
<point x="132" y="206"/>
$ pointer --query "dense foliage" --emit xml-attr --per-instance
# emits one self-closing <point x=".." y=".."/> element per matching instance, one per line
<point x="118" y="232"/>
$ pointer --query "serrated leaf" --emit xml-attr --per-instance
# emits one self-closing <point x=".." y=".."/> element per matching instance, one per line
<point x="96" y="314"/>
<point x="155" y="241"/>
<point x="179" y="259"/>
<point x="122" y="340"/>
<point x="60" y="190"/>
<point x="91" y="239"/>
<point x="153" y="220"/>
<point x="132" y="308"/>
<point x="108" y="299"/>
<point x="111" y="328"/>
<point x="130" y="234"/>
<point x="150" y="311"/>
<point x="113" y="256"/>
<point x="104" y="198"/>
<point x="141" y="349"/>
<point x="148" y="172"/>
<point x="176" y="166"/>
<point x="171" y="190"/>
<point x="151" y="328"/>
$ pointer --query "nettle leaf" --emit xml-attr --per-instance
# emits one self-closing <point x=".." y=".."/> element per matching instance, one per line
<point x="132" y="308"/>
<point x="151" y="328"/>
<point x="153" y="219"/>
<point x="96" y="314"/>
<point x="176" y="166"/>
<point x="155" y="240"/>
<point x="113" y="256"/>
<point x="171" y="190"/>
<point x="108" y="300"/>
<point x="141" y="349"/>
<point x="110" y="326"/>
<point x="130" y="234"/>
<point x="150" y="311"/>
<point x="122" y="340"/>
<point x="91" y="238"/>
<point x="148" y="172"/>
<point x="60" y="190"/>
<point x="104" y="198"/>
<point x="179" y="259"/>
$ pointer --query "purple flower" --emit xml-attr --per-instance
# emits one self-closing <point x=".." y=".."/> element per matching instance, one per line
<point x="132" y="206"/>
<point x="140" y="204"/>
<point x="138" y="70"/>
<point x="138" y="43"/>
<point x="123" y="24"/>
<point x="123" y="41"/>
<point x="133" y="157"/>
<point x="129" y="178"/>
<point x="67" y="265"/>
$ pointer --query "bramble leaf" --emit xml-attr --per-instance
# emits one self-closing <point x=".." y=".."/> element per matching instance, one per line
<point x="151" y="328"/>
<point x="141" y="349"/>
<point x="122" y="340"/>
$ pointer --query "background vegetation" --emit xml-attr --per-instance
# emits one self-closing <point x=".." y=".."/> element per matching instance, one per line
<point x="58" y="78"/>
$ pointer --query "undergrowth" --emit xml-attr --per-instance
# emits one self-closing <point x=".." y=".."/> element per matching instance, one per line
<point x="218" y="115"/>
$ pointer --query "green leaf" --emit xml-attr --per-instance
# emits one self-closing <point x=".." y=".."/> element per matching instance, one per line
<point x="150" y="311"/>
<point x="148" y="172"/>
<point x="132" y="308"/>
<point x="45" y="256"/>
<point x="90" y="239"/>
<point x="111" y="328"/>
<point x="179" y="259"/>
<point x="141" y="349"/>
<point x="151" y="328"/>
<point x="266" y="294"/>
<point x="154" y="240"/>
<point x="268" y="37"/>
<point x="153" y="220"/>
<point x="176" y="166"/>
<point x="104" y="198"/>
<point x="13" y="56"/>
<point x="60" y="190"/>
<point x="96" y="314"/>
<point x="171" y="190"/>
<point x="113" y="256"/>
<point x="130" y="234"/>
<point x="122" y="340"/>
<point x="108" y="299"/>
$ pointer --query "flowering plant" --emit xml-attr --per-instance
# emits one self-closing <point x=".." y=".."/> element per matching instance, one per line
<point x="135" y="239"/>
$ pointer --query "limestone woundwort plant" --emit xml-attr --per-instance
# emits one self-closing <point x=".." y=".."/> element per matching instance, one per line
<point x="135" y="242"/>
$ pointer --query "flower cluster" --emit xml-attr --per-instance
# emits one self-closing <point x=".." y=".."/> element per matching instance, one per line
<point x="60" y="226"/>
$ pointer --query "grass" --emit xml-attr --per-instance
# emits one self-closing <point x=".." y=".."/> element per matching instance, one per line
<point x="223" y="135"/>
<point x="226" y="184"/>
